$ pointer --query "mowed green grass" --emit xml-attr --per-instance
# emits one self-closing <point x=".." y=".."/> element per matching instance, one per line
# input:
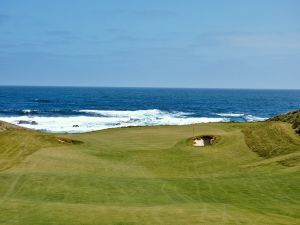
<point x="152" y="175"/>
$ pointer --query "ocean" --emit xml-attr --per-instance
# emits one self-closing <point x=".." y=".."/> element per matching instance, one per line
<point x="84" y="109"/>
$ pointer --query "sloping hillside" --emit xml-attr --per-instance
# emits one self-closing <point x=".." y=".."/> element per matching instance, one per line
<point x="290" y="117"/>
<point x="274" y="141"/>
<point x="270" y="139"/>
<point x="16" y="143"/>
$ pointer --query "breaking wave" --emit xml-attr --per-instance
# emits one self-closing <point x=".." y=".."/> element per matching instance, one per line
<point x="135" y="113"/>
<point x="250" y="118"/>
<point x="230" y="114"/>
<point x="93" y="120"/>
<point x="29" y="111"/>
<point x="241" y="117"/>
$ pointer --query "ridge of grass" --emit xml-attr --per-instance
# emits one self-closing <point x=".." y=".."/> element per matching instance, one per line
<point x="290" y="117"/>
<point x="16" y="143"/>
<point x="270" y="139"/>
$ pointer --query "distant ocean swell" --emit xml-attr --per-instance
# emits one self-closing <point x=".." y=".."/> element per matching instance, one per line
<point x="79" y="121"/>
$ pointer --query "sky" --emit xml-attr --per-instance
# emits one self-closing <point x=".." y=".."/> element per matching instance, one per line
<point x="157" y="43"/>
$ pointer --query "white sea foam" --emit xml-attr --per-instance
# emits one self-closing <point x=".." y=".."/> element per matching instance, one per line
<point x="102" y="119"/>
<point x="230" y="114"/>
<point x="29" y="110"/>
<point x="248" y="118"/>
<point x="132" y="114"/>
<point x="251" y="118"/>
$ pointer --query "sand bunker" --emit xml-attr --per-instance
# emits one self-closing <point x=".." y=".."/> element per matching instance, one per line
<point x="203" y="141"/>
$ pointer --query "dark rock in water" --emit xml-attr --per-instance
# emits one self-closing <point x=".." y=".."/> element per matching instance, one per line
<point x="27" y="122"/>
<point x="75" y="125"/>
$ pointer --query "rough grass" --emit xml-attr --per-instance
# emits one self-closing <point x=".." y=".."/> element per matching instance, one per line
<point x="17" y="143"/>
<point x="290" y="117"/>
<point x="152" y="175"/>
<point x="291" y="161"/>
<point x="269" y="139"/>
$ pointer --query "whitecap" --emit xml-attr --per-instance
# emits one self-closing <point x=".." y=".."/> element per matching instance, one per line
<point x="27" y="111"/>
<point x="250" y="118"/>
<point x="230" y="114"/>
<point x="103" y="119"/>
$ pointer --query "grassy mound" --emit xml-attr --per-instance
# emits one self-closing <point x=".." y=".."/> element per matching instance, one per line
<point x="152" y="175"/>
<point x="290" y="117"/>
<point x="269" y="139"/>
<point x="17" y="143"/>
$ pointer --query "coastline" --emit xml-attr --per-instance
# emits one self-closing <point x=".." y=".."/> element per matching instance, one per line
<point x="82" y="124"/>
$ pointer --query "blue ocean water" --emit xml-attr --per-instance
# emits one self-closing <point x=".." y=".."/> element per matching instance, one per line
<point x="77" y="109"/>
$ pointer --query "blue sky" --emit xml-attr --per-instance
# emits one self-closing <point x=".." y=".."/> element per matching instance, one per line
<point x="157" y="43"/>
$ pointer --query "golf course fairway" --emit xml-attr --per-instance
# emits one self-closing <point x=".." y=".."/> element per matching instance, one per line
<point x="151" y="175"/>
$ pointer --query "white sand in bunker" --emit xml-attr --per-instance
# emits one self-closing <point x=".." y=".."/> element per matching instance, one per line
<point x="199" y="143"/>
<point x="203" y="141"/>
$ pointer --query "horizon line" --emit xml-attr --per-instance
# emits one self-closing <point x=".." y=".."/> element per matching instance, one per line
<point x="146" y="87"/>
